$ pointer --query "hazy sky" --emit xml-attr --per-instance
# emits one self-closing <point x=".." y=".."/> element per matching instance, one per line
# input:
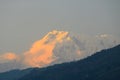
<point x="24" y="21"/>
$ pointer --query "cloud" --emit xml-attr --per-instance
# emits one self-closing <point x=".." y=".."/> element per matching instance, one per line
<point x="8" y="57"/>
<point x="104" y="35"/>
<point x="39" y="55"/>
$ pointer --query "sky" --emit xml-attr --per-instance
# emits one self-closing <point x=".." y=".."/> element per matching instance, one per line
<point x="24" y="21"/>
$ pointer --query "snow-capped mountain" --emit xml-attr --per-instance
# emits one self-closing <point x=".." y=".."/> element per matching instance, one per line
<point x="62" y="46"/>
<point x="75" y="47"/>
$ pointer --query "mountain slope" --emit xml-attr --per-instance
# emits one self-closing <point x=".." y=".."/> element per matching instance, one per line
<point x="104" y="65"/>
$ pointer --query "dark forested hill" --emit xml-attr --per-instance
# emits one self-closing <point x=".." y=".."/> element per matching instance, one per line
<point x="103" y="65"/>
<point x="14" y="74"/>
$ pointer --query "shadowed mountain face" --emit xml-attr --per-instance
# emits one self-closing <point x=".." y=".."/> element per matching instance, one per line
<point x="103" y="65"/>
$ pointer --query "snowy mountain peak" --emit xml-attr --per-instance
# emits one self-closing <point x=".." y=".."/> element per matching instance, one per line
<point x="56" y="36"/>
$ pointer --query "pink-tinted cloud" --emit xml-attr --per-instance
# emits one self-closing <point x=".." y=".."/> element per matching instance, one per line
<point x="8" y="57"/>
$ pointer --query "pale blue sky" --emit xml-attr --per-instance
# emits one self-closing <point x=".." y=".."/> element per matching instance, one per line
<point x="24" y="21"/>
